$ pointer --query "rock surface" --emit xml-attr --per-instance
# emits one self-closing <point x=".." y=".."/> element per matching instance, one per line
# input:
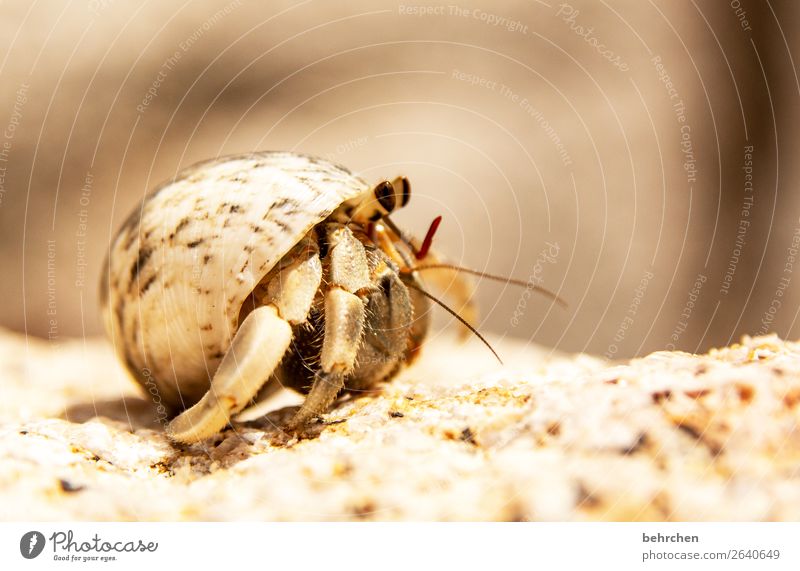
<point x="671" y="436"/>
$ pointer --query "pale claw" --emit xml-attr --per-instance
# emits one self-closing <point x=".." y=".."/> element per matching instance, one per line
<point x="256" y="350"/>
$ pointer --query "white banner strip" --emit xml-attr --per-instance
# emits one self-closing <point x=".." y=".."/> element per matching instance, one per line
<point x="389" y="546"/>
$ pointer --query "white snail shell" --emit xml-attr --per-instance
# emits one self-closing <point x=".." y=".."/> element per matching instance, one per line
<point x="183" y="264"/>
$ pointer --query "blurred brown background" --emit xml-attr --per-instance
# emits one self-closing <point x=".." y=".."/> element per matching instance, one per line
<point x="599" y="147"/>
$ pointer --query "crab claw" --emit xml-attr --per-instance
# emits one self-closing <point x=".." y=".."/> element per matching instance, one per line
<point x="256" y="350"/>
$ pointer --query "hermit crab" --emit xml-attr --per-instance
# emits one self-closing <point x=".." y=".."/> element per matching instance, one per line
<point x="251" y="272"/>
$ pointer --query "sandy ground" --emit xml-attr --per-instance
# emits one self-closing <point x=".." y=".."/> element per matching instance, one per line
<point x="671" y="436"/>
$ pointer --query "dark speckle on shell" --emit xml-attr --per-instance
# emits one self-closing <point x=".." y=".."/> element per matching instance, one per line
<point x="141" y="259"/>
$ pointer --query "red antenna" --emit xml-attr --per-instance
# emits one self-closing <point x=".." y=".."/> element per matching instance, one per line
<point x="426" y="243"/>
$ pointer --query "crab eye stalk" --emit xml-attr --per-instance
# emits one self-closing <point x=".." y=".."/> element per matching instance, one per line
<point x="381" y="201"/>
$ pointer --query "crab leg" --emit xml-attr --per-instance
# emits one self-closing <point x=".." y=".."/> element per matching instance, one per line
<point x="344" y="323"/>
<point x="257" y="348"/>
<point x="348" y="278"/>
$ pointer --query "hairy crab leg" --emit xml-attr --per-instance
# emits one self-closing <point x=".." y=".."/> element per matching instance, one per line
<point x="344" y="324"/>
<point x="348" y="280"/>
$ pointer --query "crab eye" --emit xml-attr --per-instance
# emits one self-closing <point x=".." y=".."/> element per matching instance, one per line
<point x="384" y="193"/>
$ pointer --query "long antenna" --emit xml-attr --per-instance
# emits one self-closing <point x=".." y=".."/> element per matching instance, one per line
<point x="504" y="279"/>
<point x="457" y="316"/>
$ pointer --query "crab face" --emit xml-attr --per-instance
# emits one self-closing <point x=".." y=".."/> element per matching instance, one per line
<point x="304" y="282"/>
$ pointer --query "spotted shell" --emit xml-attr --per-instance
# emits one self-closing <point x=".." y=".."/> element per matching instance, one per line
<point x="183" y="263"/>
